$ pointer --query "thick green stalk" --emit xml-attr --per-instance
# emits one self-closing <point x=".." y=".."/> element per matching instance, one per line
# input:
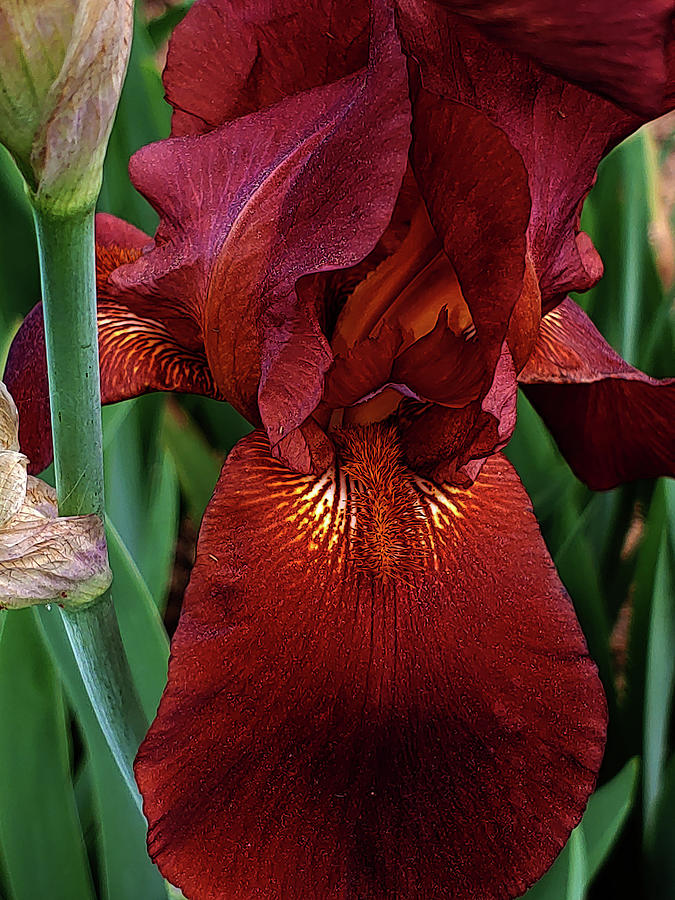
<point x="68" y="273"/>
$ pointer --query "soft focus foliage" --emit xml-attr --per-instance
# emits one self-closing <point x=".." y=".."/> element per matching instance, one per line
<point x="68" y="829"/>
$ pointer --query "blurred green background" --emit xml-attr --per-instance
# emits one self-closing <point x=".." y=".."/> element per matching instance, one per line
<point x="68" y="829"/>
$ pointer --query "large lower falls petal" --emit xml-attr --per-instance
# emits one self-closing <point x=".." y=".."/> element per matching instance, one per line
<point x="377" y="688"/>
<point x="612" y="422"/>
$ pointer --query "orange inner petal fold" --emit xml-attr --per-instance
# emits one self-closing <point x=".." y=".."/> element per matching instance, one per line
<point x="407" y="292"/>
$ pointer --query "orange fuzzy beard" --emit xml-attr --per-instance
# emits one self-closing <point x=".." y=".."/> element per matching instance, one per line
<point x="389" y="539"/>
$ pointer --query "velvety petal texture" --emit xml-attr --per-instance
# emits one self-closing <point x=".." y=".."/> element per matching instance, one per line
<point x="561" y="130"/>
<point x="612" y="422"/>
<point x="475" y="188"/>
<point x="291" y="190"/>
<point x="452" y="445"/>
<point x="474" y="182"/>
<point x="377" y="688"/>
<point x="228" y="58"/>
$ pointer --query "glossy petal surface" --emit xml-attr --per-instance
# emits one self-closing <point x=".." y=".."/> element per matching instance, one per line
<point x="335" y="728"/>
<point x="612" y="422"/>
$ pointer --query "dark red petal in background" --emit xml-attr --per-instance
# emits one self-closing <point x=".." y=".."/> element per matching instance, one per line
<point x="229" y="58"/>
<point x="327" y="733"/>
<point x="138" y="353"/>
<point x="614" y="48"/>
<point x="560" y="130"/>
<point x="307" y="185"/>
<point x="26" y="379"/>
<point x="475" y="188"/>
<point x="612" y="422"/>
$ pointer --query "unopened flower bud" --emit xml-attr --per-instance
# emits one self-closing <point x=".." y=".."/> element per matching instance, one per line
<point x="62" y="65"/>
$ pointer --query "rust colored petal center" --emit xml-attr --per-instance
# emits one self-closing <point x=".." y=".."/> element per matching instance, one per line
<point x="369" y="511"/>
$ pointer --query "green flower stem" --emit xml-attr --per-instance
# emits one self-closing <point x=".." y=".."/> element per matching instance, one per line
<point x="68" y="273"/>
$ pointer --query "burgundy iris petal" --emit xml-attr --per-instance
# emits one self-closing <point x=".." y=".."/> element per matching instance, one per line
<point x="614" y="48"/>
<point x="366" y="703"/>
<point x="612" y="422"/>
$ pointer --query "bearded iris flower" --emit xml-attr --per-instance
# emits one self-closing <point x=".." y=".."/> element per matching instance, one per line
<point x="378" y="686"/>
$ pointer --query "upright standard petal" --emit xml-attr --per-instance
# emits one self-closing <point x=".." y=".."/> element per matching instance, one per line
<point x="228" y="58"/>
<point x="143" y="345"/>
<point x="612" y="422"/>
<point x="475" y="188"/>
<point x="307" y="185"/>
<point x="377" y="688"/>
<point x="479" y="194"/>
<point x="560" y="130"/>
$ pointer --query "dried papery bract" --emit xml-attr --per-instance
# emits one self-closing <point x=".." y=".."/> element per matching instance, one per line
<point x="43" y="557"/>
<point x="62" y="65"/>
